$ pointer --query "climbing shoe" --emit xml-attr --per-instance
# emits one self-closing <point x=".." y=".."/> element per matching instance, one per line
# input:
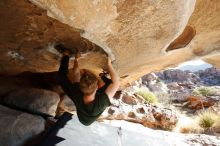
<point x="61" y="48"/>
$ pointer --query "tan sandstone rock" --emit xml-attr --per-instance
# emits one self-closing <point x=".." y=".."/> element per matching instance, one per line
<point x="129" y="99"/>
<point x="136" y="34"/>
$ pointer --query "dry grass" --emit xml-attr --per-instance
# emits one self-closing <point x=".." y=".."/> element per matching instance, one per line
<point x="191" y="129"/>
<point x="185" y="129"/>
<point x="204" y="91"/>
<point x="207" y="119"/>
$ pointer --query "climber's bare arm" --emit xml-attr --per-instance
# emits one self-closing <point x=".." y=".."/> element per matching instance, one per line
<point x="113" y="87"/>
<point x="76" y="70"/>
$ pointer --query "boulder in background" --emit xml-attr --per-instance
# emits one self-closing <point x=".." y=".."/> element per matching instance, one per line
<point x="33" y="100"/>
<point x="17" y="127"/>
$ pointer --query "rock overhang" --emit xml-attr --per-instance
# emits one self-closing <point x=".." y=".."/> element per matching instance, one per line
<point x="133" y="33"/>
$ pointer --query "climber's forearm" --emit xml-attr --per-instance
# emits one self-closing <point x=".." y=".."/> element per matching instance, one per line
<point x="113" y="74"/>
<point x="76" y="72"/>
<point x="113" y="87"/>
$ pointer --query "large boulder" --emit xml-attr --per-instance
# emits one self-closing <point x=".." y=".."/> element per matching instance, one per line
<point x="149" y="77"/>
<point x="145" y="114"/>
<point x="199" y="102"/>
<point x="8" y="84"/>
<point x="33" y="100"/>
<point x="17" y="127"/>
<point x="129" y="99"/>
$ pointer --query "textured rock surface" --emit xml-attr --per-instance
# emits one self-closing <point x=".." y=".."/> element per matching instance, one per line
<point x="178" y="85"/>
<point x="207" y="39"/>
<point x="28" y="34"/>
<point x="176" y="77"/>
<point x="199" y="102"/>
<point x="125" y="29"/>
<point x="18" y="127"/>
<point x="129" y="99"/>
<point x="127" y="108"/>
<point x="33" y="100"/>
<point x="134" y="33"/>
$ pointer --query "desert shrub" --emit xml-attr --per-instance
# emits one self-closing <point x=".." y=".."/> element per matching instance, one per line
<point x="191" y="129"/>
<point x="185" y="129"/>
<point x="204" y="91"/>
<point x="207" y="119"/>
<point x="147" y="95"/>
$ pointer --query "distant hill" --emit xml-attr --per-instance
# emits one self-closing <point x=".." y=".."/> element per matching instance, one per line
<point x="194" y="66"/>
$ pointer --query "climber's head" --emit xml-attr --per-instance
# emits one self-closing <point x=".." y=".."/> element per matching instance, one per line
<point x="88" y="82"/>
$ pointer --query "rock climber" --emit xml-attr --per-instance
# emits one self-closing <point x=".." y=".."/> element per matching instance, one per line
<point x="90" y="100"/>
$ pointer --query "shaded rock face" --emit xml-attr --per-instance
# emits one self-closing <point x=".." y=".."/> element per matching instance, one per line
<point x="134" y="33"/>
<point x="19" y="127"/>
<point x="33" y="100"/>
<point x="183" y="40"/>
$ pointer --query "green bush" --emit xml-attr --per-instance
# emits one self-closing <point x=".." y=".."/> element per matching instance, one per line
<point x="207" y="119"/>
<point x="147" y="95"/>
<point x="204" y="91"/>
